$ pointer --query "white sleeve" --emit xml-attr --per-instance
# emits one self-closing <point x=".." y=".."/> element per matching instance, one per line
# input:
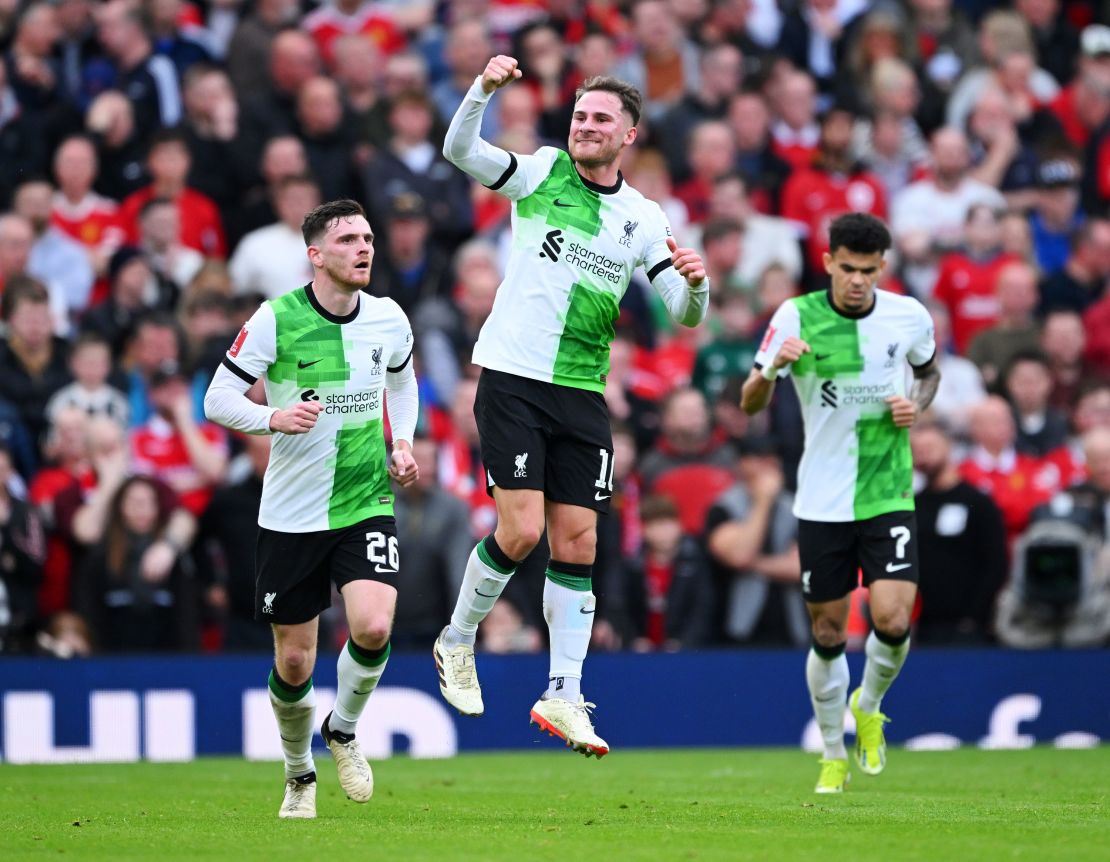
<point x="784" y="323"/>
<point x="924" y="346"/>
<point x="513" y="176"/>
<point x="402" y="397"/>
<point x="687" y="305"/>
<point x="255" y="347"/>
<point x="226" y="403"/>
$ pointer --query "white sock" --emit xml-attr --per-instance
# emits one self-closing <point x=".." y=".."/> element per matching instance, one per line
<point x="570" y="620"/>
<point x="482" y="584"/>
<point x="358" y="676"/>
<point x="828" y="692"/>
<point x="882" y="666"/>
<point x="296" y="717"/>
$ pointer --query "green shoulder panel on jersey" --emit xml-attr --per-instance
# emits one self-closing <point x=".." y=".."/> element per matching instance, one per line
<point x="884" y="473"/>
<point x="360" y="484"/>
<point x="309" y="349"/>
<point x="562" y="201"/>
<point x="582" y="360"/>
<point x="833" y="339"/>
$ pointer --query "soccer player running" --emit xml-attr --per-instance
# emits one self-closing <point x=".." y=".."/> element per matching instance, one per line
<point x="579" y="232"/>
<point x="325" y="352"/>
<point x="846" y="349"/>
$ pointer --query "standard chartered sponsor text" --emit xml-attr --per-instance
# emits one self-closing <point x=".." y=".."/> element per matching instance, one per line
<point x="594" y="262"/>
<point x="353" y="402"/>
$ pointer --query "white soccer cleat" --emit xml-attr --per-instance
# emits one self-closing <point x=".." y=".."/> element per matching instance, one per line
<point x="571" y="723"/>
<point x="458" y="678"/>
<point x="300" y="798"/>
<point x="355" y="775"/>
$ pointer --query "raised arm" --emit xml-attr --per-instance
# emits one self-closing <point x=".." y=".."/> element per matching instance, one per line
<point x="463" y="146"/>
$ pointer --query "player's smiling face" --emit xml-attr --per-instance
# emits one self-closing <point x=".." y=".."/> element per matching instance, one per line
<point x="346" y="252"/>
<point x="599" y="129"/>
<point x="854" y="276"/>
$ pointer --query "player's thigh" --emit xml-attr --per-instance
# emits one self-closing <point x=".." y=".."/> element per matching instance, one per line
<point x="369" y="606"/>
<point x="579" y="471"/>
<point x="827" y="551"/>
<point x="292" y="583"/>
<point x="888" y="548"/>
<point x="520" y="515"/>
<point x="571" y="533"/>
<point x="511" y="432"/>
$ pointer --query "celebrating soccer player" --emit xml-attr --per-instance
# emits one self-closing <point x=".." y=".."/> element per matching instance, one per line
<point x="579" y="232"/>
<point x="846" y="350"/>
<point x="326" y="352"/>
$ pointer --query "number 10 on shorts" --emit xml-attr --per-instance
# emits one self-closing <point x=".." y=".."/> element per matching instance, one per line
<point x="605" y="478"/>
<point x="381" y="550"/>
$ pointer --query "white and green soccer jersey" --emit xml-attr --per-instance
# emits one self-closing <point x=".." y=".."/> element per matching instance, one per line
<point x="856" y="462"/>
<point x="336" y="474"/>
<point x="575" y="247"/>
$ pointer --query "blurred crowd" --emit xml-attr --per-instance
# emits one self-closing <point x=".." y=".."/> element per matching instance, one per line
<point x="157" y="158"/>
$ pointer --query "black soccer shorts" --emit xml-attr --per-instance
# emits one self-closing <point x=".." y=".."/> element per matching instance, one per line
<point x="832" y="554"/>
<point x="295" y="571"/>
<point x="545" y="437"/>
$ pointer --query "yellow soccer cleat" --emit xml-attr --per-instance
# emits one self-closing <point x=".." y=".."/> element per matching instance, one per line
<point x="834" y="775"/>
<point x="870" y="741"/>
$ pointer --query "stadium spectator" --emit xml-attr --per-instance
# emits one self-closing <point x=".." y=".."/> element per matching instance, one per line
<point x="156" y="341"/>
<point x="466" y="51"/>
<point x="1059" y="589"/>
<point x="711" y="153"/>
<point x="729" y="355"/>
<point x="832" y="185"/>
<point x="270" y="110"/>
<point x="412" y="163"/>
<point x="963" y="384"/>
<point x="372" y="20"/>
<point x="1063" y="341"/>
<point x="56" y="259"/>
<point x="90" y="363"/>
<point x="647" y="171"/>
<point x="77" y="210"/>
<point x="670" y="599"/>
<point x="961" y="533"/>
<point x="150" y="80"/>
<point x="272" y="260"/>
<point x="690" y="462"/>
<point x="1083" y="105"/>
<point x="172" y="38"/>
<point x="174" y="265"/>
<point x="750" y="119"/>
<point x="999" y="155"/>
<point x="751" y="537"/>
<point x="121" y="149"/>
<point x="248" y="53"/>
<point x="132" y="286"/>
<point x="32" y="70"/>
<point x="1017" y="483"/>
<point x="411" y="269"/>
<point x="795" y="133"/>
<point x="75" y="47"/>
<point x="438" y="541"/>
<point x="221" y="167"/>
<point x="17" y="238"/>
<point x="1056" y="216"/>
<point x="966" y="283"/>
<point x="1081" y="281"/>
<point x="32" y="359"/>
<point x="1016" y="330"/>
<point x="24" y="543"/>
<point x="814" y="35"/>
<point x="358" y="70"/>
<point x="128" y="607"/>
<point x="1027" y="385"/>
<point x="225" y="550"/>
<point x="663" y="64"/>
<point x="282" y="157"/>
<point x="327" y="136"/>
<point x="199" y="218"/>
<point x="1055" y="40"/>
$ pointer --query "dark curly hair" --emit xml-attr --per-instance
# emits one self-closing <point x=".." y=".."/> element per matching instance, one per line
<point x="860" y="233"/>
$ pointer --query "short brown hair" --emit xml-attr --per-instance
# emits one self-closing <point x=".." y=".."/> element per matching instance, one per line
<point x="658" y="507"/>
<point x="19" y="289"/>
<point x="317" y="222"/>
<point x="630" y="97"/>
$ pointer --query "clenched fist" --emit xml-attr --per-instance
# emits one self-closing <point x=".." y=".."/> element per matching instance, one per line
<point x="688" y="263"/>
<point x="790" y="352"/>
<point x="298" y="419"/>
<point x="500" y="71"/>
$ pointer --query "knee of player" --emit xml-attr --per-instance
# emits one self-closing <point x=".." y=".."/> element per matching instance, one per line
<point x="294" y="664"/>
<point x="892" y="624"/>
<point x="520" y="538"/>
<point x="828" y="632"/>
<point x="371" y="633"/>
<point x="578" y="548"/>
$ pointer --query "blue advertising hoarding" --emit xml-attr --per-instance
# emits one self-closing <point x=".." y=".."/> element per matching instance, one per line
<point x="177" y="708"/>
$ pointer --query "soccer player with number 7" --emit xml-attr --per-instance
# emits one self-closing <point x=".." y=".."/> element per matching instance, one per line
<point x="579" y="232"/>
<point x="330" y="356"/>
<point x="847" y="349"/>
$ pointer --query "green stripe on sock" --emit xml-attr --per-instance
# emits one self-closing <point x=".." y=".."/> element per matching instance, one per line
<point x="488" y="560"/>
<point x="363" y="660"/>
<point x="282" y="693"/>
<point x="582" y="585"/>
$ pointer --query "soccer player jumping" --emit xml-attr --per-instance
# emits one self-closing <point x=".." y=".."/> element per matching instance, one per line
<point x="329" y="354"/>
<point x="847" y="349"/>
<point x="579" y="232"/>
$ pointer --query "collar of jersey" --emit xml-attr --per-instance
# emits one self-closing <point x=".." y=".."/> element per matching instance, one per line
<point x="327" y="315"/>
<point x="851" y="315"/>
<point x="597" y="187"/>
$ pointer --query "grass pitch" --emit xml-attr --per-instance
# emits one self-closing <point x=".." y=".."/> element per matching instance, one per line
<point x="1041" y="804"/>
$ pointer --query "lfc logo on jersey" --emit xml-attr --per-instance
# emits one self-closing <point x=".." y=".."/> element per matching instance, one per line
<point x="891" y="350"/>
<point x="376" y="358"/>
<point x="629" y="228"/>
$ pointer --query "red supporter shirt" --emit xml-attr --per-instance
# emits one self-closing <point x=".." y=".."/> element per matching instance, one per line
<point x="201" y="228"/>
<point x="57" y="569"/>
<point x="657" y="583"/>
<point x="966" y="287"/>
<point x="1096" y="321"/>
<point x="813" y="198"/>
<point x="1063" y="106"/>
<point x="1017" y="483"/>
<point x="158" y="450"/>
<point x="327" y="23"/>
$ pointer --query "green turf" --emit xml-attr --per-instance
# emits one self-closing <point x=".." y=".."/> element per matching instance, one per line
<point x="1040" y="804"/>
